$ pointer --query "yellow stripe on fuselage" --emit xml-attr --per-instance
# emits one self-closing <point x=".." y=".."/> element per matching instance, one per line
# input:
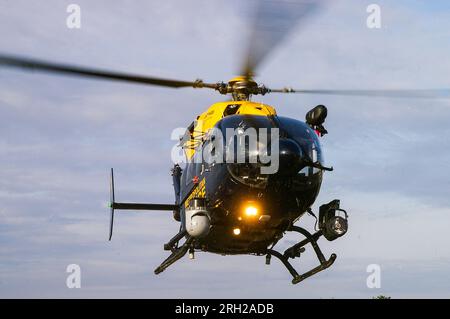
<point x="198" y="192"/>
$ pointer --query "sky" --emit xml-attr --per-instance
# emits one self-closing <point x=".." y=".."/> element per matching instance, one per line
<point x="59" y="136"/>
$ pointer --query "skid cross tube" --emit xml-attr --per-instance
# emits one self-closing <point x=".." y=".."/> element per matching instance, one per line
<point x="284" y="260"/>
<point x="176" y="254"/>
<point x="175" y="239"/>
<point x="309" y="239"/>
<point x="294" y="251"/>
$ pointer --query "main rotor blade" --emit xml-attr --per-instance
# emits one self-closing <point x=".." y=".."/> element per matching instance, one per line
<point x="420" y="93"/>
<point x="272" y="22"/>
<point x="50" y="67"/>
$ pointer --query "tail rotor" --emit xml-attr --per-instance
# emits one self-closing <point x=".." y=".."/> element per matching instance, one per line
<point x="111" y="204"/>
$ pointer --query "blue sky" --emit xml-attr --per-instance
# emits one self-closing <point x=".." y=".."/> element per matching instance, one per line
<point x="59" y="136"/>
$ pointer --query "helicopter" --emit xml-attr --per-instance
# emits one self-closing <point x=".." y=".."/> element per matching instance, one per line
<point x="228" y="206"/>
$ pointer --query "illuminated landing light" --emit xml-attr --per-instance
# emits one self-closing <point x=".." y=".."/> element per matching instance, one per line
<point x="236" y="231"/>
<point x="251" y="211"/>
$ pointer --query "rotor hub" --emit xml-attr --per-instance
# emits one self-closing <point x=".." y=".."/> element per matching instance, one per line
<point x="241" y="88"/>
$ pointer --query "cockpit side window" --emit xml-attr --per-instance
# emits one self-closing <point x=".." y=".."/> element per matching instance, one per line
<point x="304" y="136"/>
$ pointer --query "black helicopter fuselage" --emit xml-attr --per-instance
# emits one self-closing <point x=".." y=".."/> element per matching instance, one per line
<point x="240" y="193"/>
<point x="279" y="199"/>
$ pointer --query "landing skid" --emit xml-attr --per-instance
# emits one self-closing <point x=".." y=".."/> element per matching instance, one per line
<point x="296" y="250"/>
<point x="177" y="252"/>
<point x="292" y="252"/>
<point x="331" y="225"/>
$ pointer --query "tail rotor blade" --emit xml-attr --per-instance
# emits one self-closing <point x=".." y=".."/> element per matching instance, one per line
<point x="111" y="204"/>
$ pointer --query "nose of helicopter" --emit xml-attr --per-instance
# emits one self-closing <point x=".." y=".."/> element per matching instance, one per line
<point x="290" y="156"/>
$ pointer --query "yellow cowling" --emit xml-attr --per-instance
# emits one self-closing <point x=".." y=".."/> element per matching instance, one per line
<point x="215" y="113"/>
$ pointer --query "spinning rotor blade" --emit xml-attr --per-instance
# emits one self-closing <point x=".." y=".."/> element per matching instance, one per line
<point x="272" y="22"/>
<point x="420" y="93"/>
<point x="49" y="67"/>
